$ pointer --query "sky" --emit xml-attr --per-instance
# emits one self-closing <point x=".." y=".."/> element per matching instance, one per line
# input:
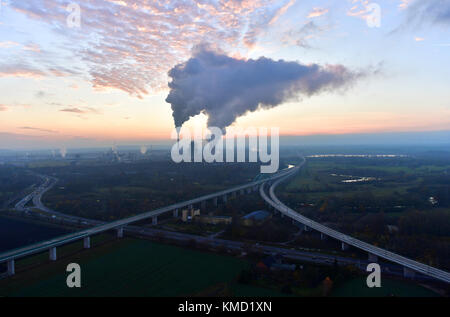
<point x="105" y="80"/>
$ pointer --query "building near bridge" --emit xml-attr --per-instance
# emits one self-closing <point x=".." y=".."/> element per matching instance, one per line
<point x="189" y="214"/>
<point x="214" y="220"/>
<point x="274" y="263"/>
<point x="256" y="218"/>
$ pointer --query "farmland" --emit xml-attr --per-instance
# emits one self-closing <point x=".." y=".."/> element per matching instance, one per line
<point x="400" y="203"/>
<point x="129" y="268"/>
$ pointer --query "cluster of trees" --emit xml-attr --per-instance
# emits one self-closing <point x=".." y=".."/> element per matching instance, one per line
<point x="274" y="230"/>
<point x="13" y="181"/>
<point x="394" y="213"/>
<point x="306" y="280"/>
<point x="431" y="222"/>
<point x="423" y="235"/>
<point x="113" y="191"/>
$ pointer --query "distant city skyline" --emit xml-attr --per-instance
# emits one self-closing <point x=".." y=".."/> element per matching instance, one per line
<point x="428" y="138"/>
<point x="106" y="81"/>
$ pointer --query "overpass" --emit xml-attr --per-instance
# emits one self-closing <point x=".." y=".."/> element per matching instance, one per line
<point x="409" y="266"/>
<point x="10" y="256"/>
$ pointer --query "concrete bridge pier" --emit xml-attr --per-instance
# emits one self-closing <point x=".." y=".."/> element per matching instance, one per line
<point x="323" y="236"/>
<point x="224" y="199"/>
<point x="120" y="232"/>
<point x="190" y="207"/>
<point x="87" y="243"/>
<point x="344" y="246"/>
<point x="215" y="201"/>
<point x="305" y="228"/>
<point x="154" y="220"/>
<point x="242" y="192"/>
<point x="11" y="267"/>
<point x="233" y="195"/>
<point x="373" y="258"/>
<point x="175" y="213"/>
<point x="52" y="254"/>
<point x="408" y="273"/>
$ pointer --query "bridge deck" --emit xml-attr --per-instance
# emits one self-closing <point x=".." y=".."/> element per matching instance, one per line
<point x="385" y="254"/>
<point x="45" y="245"/>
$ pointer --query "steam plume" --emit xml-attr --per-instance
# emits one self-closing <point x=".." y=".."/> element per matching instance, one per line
<point x="225" y="88"/>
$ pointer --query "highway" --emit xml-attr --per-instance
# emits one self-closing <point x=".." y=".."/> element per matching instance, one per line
<point x="272" y="200"/>
<point x="119" y="224"/>
<point x="316" y="257"/>
<point x="36" y="194"/>
<point x="382" y="253"/>
<point x="300" y="255"/>
<point x="49" y="182"/>
<point x="211" y="241"/>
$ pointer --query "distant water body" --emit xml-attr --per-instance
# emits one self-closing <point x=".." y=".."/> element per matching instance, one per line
<point x="16" y="233"/>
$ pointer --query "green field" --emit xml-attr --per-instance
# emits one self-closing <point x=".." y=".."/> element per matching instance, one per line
<point x="133" y="268"/>
<point x="316" y="180"/>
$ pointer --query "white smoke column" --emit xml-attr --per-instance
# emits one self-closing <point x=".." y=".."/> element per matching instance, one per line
<point x="63" y="151"/>
<point x="225" y="88"/>
<point x="143" y="149"/>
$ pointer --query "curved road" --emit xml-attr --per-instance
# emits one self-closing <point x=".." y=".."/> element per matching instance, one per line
<point x="382" y="253"/>
<point x="120" y="224"/>
<point x="273" y="201"/>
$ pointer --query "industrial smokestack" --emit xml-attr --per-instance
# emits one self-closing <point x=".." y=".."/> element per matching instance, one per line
<point x="114" y="149"/>
<point x="63" y="151"/>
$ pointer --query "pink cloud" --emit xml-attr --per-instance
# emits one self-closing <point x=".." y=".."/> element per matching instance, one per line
<point x="25" y="70"/>
<point x="80" y="110"/>
<point x="359" y="9"/>
<point x="282" y="11"/>
<point x="20" y="70"/>
<point x="32" y="47"/>
<point x="8" y="44"/>
<point x="317" y="12"/>
<point x="131" y="45"/>
<point x="404" y="4"/>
